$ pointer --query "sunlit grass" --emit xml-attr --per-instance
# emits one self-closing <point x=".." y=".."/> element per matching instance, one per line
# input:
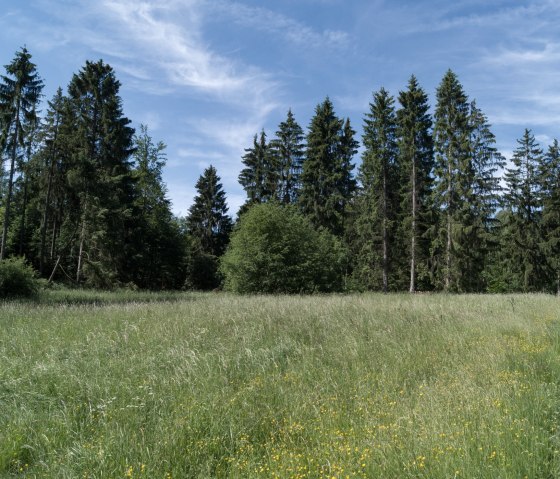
<point x="215" y="385"/>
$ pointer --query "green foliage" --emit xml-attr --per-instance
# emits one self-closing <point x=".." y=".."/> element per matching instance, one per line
<point x="416" y="162"/>
<point x="17" y="278"/>
<point x="275" y="249"/>
<point x="523" y="200"/>
<point x="289" y="152"/>
<point x="20" y="91"/>
<point x="260" y="176"/>
<point x="327" y="183"/>
<point x="453" y="181"/>
<point x="378" y="201"/>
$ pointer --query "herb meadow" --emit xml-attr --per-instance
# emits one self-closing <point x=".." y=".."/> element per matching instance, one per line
<point x="216" y="385"/>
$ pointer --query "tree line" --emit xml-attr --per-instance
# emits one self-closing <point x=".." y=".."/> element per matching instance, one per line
<point x="432" y="206"/>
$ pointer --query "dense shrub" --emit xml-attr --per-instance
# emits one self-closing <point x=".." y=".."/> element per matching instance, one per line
<point x="17" y="278"/>
<point x="275" y="249"/>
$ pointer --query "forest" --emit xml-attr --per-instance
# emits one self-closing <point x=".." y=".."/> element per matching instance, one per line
<point x="431" y="206"/>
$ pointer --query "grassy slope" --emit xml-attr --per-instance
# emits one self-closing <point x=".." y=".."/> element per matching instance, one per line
<point x="338" y="386"/>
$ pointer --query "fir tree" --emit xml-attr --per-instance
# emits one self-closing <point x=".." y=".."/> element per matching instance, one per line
<point x="208" y="220"/>
<point x="453" y="179"/>
<point x="209" y="227"/>
<point x="157" y="243"/>
<point x="288" y="150"/>
<point x="20" y="91"/>
<point x="550" y="191"/>
<point x="378" y="198"/>
<point x="260" y="176"/>
<point x="101" y="173"/>
<point x="415" y="145"/>
<point x="524" y="202"/>
<point x="479" y="237"/>
<point x="327" y="183"/>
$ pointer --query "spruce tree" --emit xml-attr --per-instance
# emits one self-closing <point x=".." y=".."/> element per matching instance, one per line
<point x="209" y="227"/>
<point x="101" y="173"/>
<point x="20" y="92"/>
<point x="51" y="154"/>
<point x="479" y="238"/>
<point x="523" y="200"/>
<point x="327" y="183"/>
<point x="550" y="190"/>
<point x="454" y="177"/>
<point x="415" y="146"/>
<point x="378" y="197"/>
<point x="157" y="244"/>
<point x="208" y="220"/>
<point x="288" y="149"/>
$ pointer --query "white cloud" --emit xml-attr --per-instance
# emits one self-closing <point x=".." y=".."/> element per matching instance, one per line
<point x="271" y="22"/>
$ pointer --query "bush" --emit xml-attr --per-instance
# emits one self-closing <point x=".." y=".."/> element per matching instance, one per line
<point x="275" y="249"/>
<point x="17" y="278"/>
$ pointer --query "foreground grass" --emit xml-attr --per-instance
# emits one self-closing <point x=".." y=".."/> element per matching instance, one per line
<point x="322" y="387"/>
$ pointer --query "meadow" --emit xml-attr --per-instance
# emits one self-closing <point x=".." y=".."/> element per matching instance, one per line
<point x="190" y="385"/>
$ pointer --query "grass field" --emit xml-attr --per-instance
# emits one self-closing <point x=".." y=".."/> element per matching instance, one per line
<point x="215" y="385"/>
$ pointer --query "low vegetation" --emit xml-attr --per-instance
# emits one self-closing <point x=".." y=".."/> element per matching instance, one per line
<point x="216" y="385"/>
<point x="17" y="279"/>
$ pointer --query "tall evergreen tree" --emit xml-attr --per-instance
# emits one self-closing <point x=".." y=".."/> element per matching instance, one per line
<point x="260" y="176"/>
<point x="209" y="227"/>
<point x="480" y="238"/>
<point x="20" y="92"/>
<point x="415" y="145"/>
<point x="523" y="200"/>
<point x="208" y="220"/>
<point x="158" y="246"/>
<point x="550" y="188"/>
<point x="453" y="179"/>
<point x="378" y="198"/>
<point x="52" y="152"/>
<point x="101" y="172"/>
<point x="327" y="183"/>
<point x="289" y="151"/>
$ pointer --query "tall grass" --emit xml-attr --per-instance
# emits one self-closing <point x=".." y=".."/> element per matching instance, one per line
<point x="215" y="385"/>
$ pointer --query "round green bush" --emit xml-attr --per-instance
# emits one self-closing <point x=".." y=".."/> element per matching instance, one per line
<point x="275" y="249"/>
<point x="17" y="279"/>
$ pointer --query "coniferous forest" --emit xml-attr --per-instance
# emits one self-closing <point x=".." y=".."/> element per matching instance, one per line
<point x="431" y="204"/>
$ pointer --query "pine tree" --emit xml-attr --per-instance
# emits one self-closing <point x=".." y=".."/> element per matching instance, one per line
<point x="20" y="92"/>
<point x="415" y="145"/>
<point x="549" y="179"/>
<point x="523" y="200"/>
<point x="289" y="151"/>
<point x="327" y="183"/>
<point x="378" y="197"/>
<point x="454" y="177"/>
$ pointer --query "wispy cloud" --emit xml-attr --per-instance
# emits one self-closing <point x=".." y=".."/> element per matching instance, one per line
<point x="275" y="23"/>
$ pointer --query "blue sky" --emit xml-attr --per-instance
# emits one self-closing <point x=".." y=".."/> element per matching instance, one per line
<point x="206" y="75"/>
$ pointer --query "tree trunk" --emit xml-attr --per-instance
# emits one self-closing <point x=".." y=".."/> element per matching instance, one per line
<point x="10" y="189"/>
<point x="413" y="232"/>
<point x="82" y="241"/>
<point x="447" y="283"/>
<point x="384" y="234"/>
<point x="23" y="222"/>
<point x="47" y="203"/>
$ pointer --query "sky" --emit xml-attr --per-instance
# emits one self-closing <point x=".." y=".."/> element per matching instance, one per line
<point x="206" y="75"/>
